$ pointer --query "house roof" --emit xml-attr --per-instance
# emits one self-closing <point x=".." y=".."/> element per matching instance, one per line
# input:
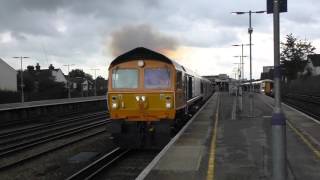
<point x="315" y="59"/>
<point x="6" y="64"/>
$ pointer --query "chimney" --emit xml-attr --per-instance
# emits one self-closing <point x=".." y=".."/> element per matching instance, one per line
<point x="51" y="67"/>
<point x="38" y="67"/>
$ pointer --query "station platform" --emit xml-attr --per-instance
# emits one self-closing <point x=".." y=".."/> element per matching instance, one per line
<point x="51" y="102"/>
<point x="222" y="142"/>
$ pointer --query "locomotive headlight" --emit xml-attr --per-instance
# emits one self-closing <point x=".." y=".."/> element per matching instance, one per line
<point x="168" y="105"/>
<point x="143" y="98"/>
<point x="114" y="105"/>
<point x="140" y="63"/>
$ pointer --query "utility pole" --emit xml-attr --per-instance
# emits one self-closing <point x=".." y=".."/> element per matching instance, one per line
<point x="95" y="81"/>
<point x="21" y="77"/>
<point x="250" y="30"/>
<point x="68" y="80"/>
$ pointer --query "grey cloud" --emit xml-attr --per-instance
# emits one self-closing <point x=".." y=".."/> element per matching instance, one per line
<point x="130" y="37"/>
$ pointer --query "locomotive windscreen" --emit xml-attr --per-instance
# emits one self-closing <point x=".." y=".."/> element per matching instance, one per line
<point x="156" y="78"/>
<point x="125" y="78"/>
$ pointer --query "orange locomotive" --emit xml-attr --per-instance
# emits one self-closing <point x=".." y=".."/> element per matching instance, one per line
<point x="149" y="96"/>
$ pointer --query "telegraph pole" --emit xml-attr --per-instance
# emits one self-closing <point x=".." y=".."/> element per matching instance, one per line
<point x="95" y="81"/>
<point x="68" y="80"/>
<point x="21" y="77"/>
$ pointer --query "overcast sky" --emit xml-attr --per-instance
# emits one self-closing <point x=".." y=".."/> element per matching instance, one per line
<point x="197" y="34"/>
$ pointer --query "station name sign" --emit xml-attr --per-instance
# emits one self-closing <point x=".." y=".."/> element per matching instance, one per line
<point x="283" y="6"/>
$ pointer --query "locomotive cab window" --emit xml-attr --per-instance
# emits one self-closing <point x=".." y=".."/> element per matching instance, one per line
<point x="125" y="78"/>
<point x="156" y="78"/>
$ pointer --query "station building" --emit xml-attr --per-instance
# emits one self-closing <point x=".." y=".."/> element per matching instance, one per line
<point x="8" y="77"/>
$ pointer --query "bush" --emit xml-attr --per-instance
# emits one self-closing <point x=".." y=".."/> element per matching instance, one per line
<point x="9" y="97"/>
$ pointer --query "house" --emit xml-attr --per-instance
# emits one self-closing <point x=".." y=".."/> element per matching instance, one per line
<point x="8" y="77"/>
<point x="82" y="85"/>
<point x="57" y="74"/>
<point x="34" y="76"/>
<point x="313" y="65"/>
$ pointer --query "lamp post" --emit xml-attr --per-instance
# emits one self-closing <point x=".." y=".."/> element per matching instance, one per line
<point x="278" y="130"/>
<point x="242" y="56"/>
<point x="21" y="76"/>
<point x="238" y="70"/>
<point x="68" y="80"/>
<point x="241" y="66"/>
<point x="95" y="81"/>
<point x="250" y="30"/>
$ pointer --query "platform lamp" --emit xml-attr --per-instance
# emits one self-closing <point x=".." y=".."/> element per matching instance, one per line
<point x="250" y="30"/>
<point x="241" y="45"/>
<point x="21" y="76"/>
<point x="95" y="80"/>
<point x="238" y="70"/>
<point x="241" y="68"/>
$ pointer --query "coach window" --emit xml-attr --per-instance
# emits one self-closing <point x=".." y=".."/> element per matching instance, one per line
<point x="156" y="78"/>
<point x="179" y="80"/>
<point x="125" y="78"/>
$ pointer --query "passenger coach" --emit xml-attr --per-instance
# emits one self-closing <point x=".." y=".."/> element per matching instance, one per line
<point x="149" y="95"/>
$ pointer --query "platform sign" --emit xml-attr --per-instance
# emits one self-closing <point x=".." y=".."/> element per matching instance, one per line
<point x="283" y="6"/>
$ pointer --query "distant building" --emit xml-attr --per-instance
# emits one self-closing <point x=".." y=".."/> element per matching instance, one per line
<point x="267" y="72"/>
<point x="57" y="74"/>
<point x="267" y="68"/>
<point x="313" y="65"/>
<point x="8" y="77"/>
<point x="81" y="85"/>
<point x="35" y="75"/>
<point x="221" y="81"/>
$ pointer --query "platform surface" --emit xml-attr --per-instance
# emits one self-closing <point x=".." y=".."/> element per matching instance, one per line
<point x="10" y="106"/>
<point x="239" y="147"/>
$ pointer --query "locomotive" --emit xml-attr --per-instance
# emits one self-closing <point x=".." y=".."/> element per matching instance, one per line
<point x="149" y="97"/>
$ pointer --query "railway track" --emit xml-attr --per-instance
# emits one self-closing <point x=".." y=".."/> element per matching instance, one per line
<point x="307" y="104"/>
<point x="119" y="164"/>
<point x="12" y="147"/>
<point x="15" y="123"/>
<point x="313" y="113"/>
<point x="19" y="136"/>
<point x="37" y="127"/>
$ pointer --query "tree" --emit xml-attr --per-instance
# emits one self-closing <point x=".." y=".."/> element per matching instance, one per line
<point x="77" y="73"/>
<point x="294" y="54"/>
<point x="102" y="85"/>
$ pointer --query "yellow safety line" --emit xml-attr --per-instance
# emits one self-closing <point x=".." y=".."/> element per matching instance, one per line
<point x="304" y="139"/>
<point x="211" y="163"/>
